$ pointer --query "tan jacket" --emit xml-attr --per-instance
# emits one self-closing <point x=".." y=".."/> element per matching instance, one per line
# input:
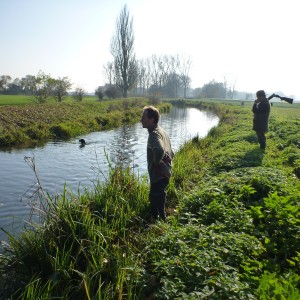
<point x="159" y="154"/>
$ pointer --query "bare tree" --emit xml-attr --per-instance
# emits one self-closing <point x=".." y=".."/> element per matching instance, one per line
<point x="155" y="72"/>
<point x="184" y="68"/>
<point x="123" y="52"/>
<point x="144" y="76"/>
<point x="109" y="72"/>
<point x="159" y="74"/>
<point x="174" y="77"/>
<point x="141" y="78"/>
<point x="225" y="86"/>
<point x="231" y="90"/>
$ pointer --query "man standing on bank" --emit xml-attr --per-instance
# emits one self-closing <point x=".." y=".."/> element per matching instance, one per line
<point x="261" y="110"/>
<point x="159" y="159"/>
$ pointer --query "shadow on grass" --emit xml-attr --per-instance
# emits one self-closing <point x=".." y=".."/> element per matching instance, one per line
<point x="251" y="138"/>
<point x="254" y="157"/>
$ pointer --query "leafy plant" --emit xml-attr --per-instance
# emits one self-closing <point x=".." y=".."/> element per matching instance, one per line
<point x="196" y="261"/>
<point x="281" y="287"/>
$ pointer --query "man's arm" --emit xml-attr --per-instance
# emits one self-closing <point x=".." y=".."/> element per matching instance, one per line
<point x="157" y="149"/>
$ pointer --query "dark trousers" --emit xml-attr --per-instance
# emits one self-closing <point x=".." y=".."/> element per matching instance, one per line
<point x="157" y="198"/>
<point x="261" y="139"/>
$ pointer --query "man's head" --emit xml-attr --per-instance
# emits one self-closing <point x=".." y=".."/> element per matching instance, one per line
<point x="150" y="117"/>
<point x="260" y="93"/>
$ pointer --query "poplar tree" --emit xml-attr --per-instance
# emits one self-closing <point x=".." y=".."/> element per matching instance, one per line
<point x="122" y="50"/>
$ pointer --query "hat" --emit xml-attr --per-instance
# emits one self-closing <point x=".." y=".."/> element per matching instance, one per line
<point x="260" y="93"/>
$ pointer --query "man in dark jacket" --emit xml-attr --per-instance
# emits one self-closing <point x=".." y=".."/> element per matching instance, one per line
<point x="261" y="110"/>
<point x="159" y="158"/>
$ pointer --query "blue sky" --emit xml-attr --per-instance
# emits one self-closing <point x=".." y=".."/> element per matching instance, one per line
<point x="253" y="43"/>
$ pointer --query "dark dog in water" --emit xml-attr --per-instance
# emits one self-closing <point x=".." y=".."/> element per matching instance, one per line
<point x="82" y="142"/>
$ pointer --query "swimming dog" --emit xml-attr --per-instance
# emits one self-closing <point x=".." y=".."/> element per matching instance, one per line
<point x="82" y="142"/>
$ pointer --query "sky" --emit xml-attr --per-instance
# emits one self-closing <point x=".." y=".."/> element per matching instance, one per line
<point x="253" y="44"/>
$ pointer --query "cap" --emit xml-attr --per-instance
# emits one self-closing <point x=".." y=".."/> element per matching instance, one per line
<point x="260" y="93"/>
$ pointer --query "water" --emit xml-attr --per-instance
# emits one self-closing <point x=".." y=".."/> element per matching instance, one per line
<point x="59" y="163"/>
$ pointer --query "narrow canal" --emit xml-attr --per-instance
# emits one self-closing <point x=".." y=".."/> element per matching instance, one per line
<point x="65" y="162"/>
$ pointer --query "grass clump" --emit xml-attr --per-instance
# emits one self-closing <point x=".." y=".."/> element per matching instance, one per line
<point x="86" y="246"/>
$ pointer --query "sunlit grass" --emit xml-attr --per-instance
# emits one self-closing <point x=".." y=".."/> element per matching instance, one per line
<point x="16" y="100"/>
<point x="23" y="99"/>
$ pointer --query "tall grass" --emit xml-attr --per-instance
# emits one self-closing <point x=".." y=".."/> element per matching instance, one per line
<point x="86" y="247"/>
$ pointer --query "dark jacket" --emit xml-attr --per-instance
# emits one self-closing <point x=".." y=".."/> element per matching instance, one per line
<point x="261" y="112"/>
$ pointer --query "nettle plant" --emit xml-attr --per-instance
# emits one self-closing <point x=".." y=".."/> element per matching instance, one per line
<point x="264" y="204"/>
<point x="277" y="219"/>
<point x="205" y="261"/>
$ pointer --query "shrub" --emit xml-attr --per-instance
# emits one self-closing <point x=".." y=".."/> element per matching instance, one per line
<point x="99" y="92"/>
<point x="153" y="100"/>
<point x="78" y="94"/>
<point x="112" y="92"/>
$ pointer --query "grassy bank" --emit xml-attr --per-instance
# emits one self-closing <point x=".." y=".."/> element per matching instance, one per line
<point x="233" y="232"/>
<point x="31" y="124"/>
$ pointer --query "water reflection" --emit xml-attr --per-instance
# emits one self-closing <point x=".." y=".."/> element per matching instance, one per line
<point x="128" y="145"/>
<point x="124" y="146"/>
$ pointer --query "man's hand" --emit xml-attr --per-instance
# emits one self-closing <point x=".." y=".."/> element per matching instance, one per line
<point x="272" y="96"/>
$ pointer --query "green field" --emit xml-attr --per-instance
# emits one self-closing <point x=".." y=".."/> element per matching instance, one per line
<point x="233" y="230"/>
<point x="15" y="100"/>
<point x="22" y="99"/>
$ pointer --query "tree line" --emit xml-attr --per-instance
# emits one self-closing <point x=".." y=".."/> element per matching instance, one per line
<point x="153" y="81"/>
<point x="42" y="87"/>
<point x="164" y="76"/>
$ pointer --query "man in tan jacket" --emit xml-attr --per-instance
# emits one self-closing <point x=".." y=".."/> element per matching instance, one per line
<point x="159" y="159"/>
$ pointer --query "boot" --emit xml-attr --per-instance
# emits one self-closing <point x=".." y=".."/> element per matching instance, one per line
<point x="263" y="145"/>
